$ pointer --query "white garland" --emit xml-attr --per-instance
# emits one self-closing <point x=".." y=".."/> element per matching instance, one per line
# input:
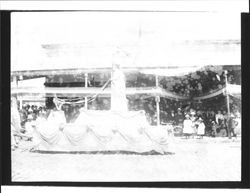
<point x="59" y="102"/>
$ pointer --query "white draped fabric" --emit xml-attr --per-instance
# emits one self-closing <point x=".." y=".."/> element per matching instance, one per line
<point x="100" y="131"/>
<point x="233" y="90"/>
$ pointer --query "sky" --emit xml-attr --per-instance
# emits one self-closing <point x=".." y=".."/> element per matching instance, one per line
<point x="148" y="38"/>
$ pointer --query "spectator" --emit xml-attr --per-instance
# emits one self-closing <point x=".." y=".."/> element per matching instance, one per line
<point x="187" y="127"/>
<point x="179" y="117"/>
<point x="201" y="128"/>
<point x="23" y="115"/>
<point x="219" y="118"/>
<point x="29" y="127"/>
<point x="192" y="115"/>
<point x="15" y="123"/>
<point x="172" y="117"/>
<point x="238" y="123"/>
<point x="214" y="129"/>
<point x="231" y="126"/>
<point x="225" y="121"/>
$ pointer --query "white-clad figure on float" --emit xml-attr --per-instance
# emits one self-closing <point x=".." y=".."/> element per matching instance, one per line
<point x="118" y="85"/>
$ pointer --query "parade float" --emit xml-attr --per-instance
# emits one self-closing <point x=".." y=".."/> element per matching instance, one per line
<point x="97" y="131"/>
<point x="148" y="49"/>
<point x="116" y="129"/>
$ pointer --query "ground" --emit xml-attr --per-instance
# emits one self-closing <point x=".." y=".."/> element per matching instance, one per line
<point x="207" y="159"/>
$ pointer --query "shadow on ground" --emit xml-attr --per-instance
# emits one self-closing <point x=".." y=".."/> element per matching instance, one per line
<point x="104" y="152"/>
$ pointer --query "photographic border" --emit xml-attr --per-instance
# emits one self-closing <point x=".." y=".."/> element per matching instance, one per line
<point x="5" y="119"/>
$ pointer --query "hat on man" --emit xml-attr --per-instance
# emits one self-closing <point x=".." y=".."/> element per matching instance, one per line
<point x="200" y="119"/>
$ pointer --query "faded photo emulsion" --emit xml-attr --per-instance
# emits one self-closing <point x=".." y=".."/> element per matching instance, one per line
<point x="125" y="96"/>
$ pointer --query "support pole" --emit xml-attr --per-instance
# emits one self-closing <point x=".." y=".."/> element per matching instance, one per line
<point x="157" y="99"/>
<point x="86" y="86"/>
<point x="228" y="105"/>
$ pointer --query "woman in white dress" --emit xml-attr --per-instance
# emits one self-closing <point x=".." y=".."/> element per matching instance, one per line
<point x="187" y="126"/>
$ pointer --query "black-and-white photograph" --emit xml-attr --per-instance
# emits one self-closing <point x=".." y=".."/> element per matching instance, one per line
<point x="121" y="96"/>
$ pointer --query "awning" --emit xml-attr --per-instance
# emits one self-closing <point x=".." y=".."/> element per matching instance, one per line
<point x="37" y="82"/>
<point x="171" y="71"/>
<point x="231" y="89"/>
<point x="234" y="89"/>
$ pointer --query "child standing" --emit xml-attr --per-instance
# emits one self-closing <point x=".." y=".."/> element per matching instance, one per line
<point x="187" y="126"/>
<point x="201" y="128"/>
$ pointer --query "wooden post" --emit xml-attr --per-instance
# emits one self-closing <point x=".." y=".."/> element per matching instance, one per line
<point x="86" y="86"/>
<point x="156" y="81"/>
<point x="228" y="105"/>
<point x="157" y="100"/>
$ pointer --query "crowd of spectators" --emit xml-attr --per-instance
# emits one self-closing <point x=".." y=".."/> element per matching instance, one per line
<point x="31" y="112"/>
<point x="214" y="115"/>
<point x="173" y="112"/>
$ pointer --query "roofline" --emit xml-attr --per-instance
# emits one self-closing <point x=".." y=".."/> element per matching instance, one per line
<point x="99" y="70"/>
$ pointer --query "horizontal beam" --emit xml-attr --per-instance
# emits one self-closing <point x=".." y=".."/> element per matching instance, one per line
<point x="79" y="90"/>
<point x="83" y="70"/>
<point x="89" y="92"/>
<point x="100" y="70"/>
